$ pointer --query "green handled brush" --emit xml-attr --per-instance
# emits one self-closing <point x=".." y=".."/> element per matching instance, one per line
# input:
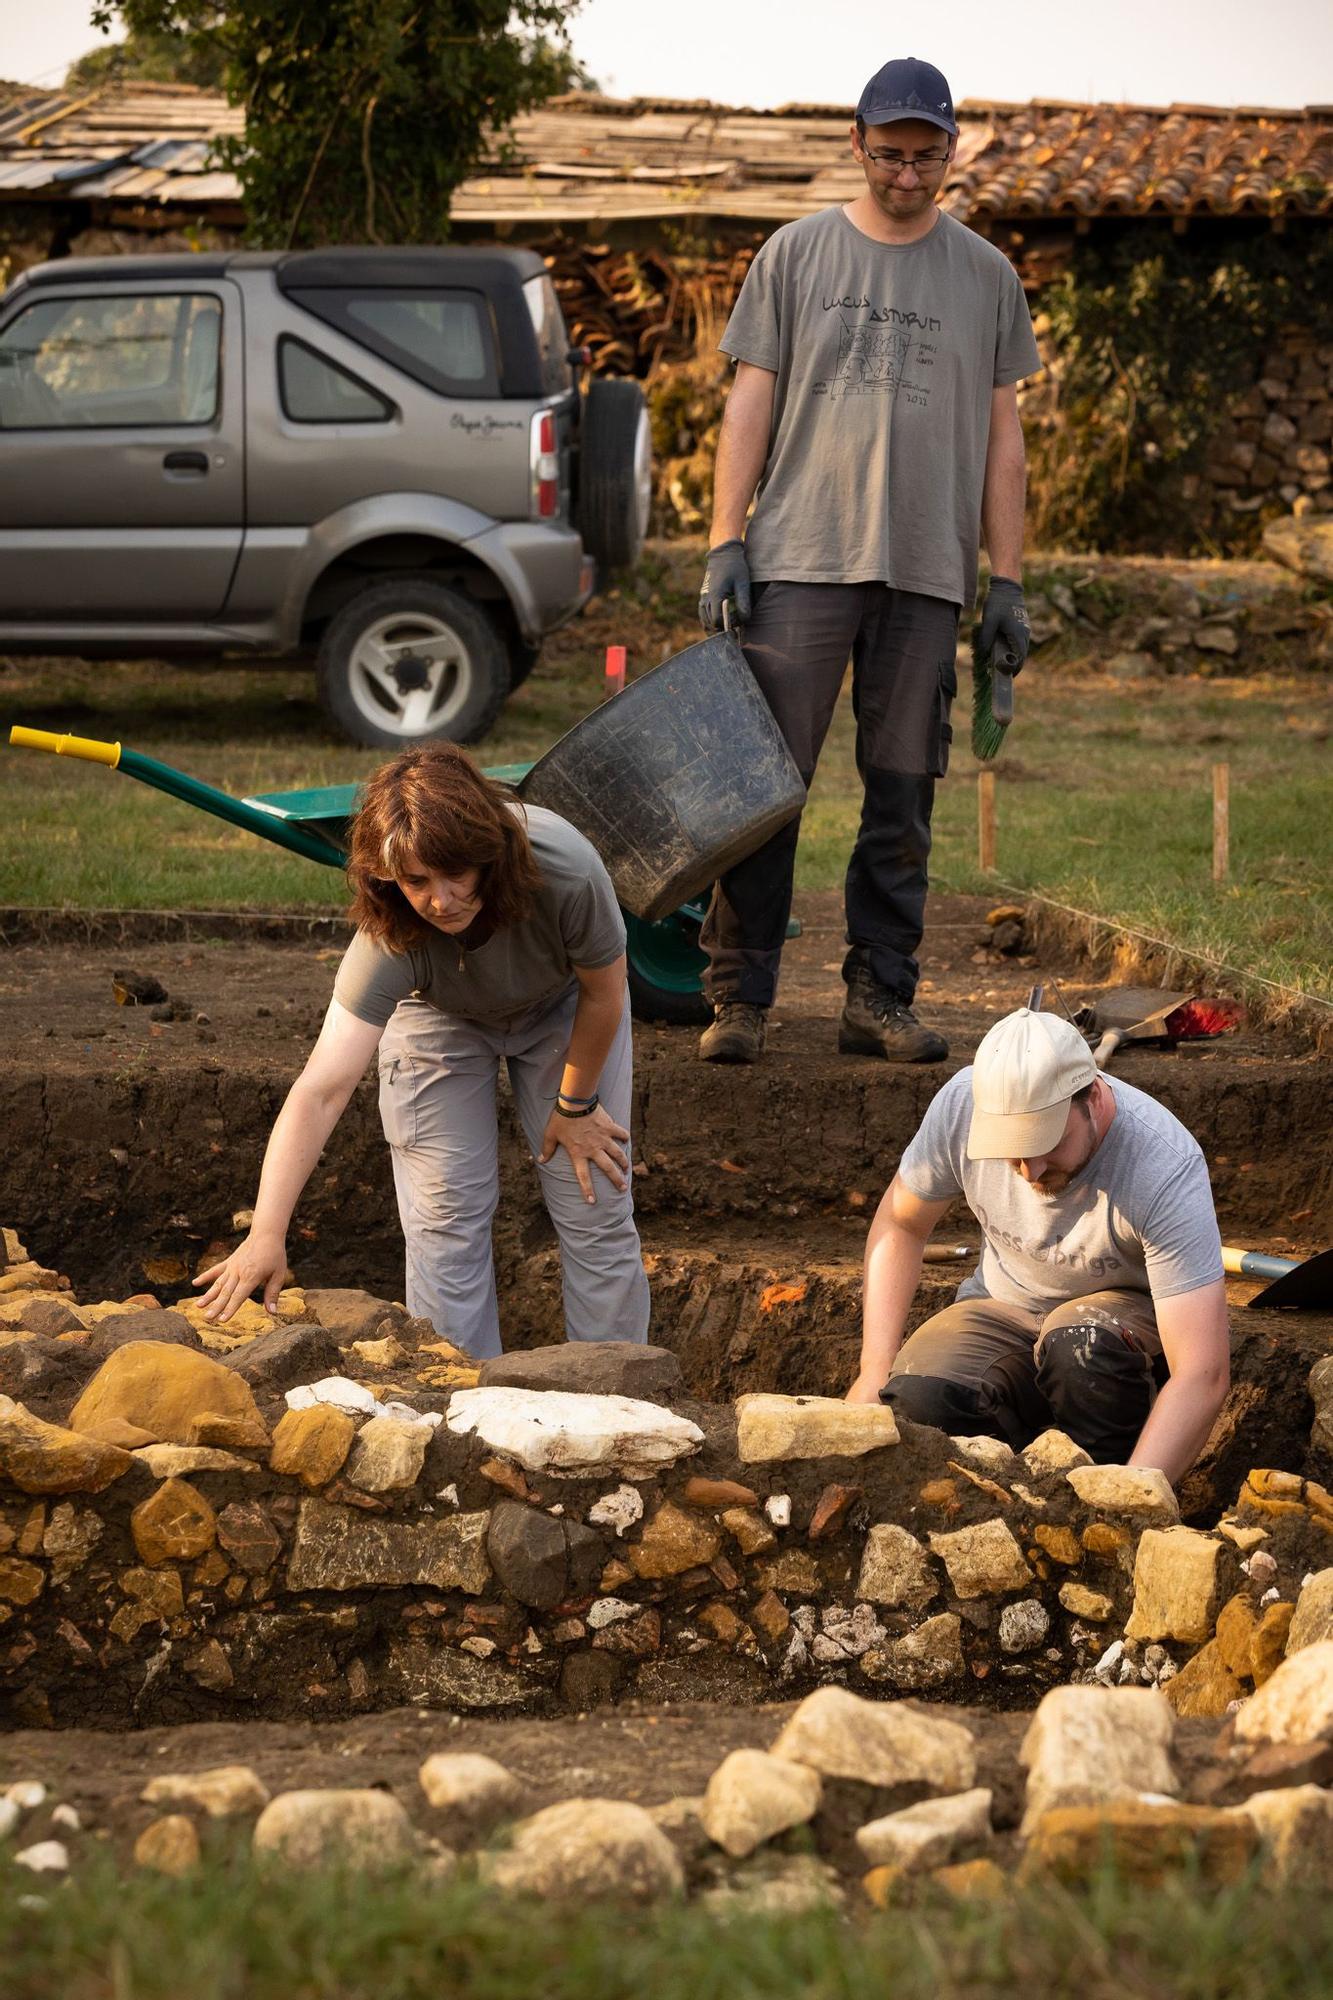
<point x="992" y="698"/>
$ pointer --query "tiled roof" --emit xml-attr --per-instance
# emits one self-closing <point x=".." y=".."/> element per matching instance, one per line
<point x="593" y="160"/>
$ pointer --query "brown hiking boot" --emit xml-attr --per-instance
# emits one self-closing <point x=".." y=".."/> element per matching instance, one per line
<point x="735" y="1034"/>
<point x="876" y="1023"/>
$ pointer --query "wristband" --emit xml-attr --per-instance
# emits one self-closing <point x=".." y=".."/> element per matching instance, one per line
<point x="586" y="1111"/>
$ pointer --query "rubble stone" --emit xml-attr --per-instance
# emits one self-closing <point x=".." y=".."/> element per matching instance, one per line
<point x="222" y="1792"/>
<point x="1205" y="1684"/>
<point x="841" y="1735"/>
<point x="336" y="1549"/>
<point x="631" y="1368"/>
<point x="312" y="1444"/>
<point x="246" y="1531"/>
<point x="586" y="1849"/>
<point x="45" y="1458"/>
<point x="926" y="1835"/>
<point x="169" y="1846"/>
<point x="574" y="1436"/>
<point x="538" y="1559"/>
<point x="173" y="1461"/>
<point x="177" y="1395"/>
<point x="1296" y="1828"/>
<point x="1312" y="1620"/>
<point x="982" y="1560"/>
<point x="1080" y="1602"/>
<point x="927" y="1658"/>
<point x="773" y="1428"/>
<point x="1178" y="1576"/>
<point x="1296" y="1704"/>
<point x="1023" y="1625"/>
<point x="1141" y="1492"/>
<point x="1053" y="1451"/>
<point x="388" y="1455"/>
<point x="1270" y="1641"/>
<point x="895" y="1569"/>
<point x="310" y="1829"/>
<point x="753" y="1795"/>
<point x="1091" y="1745"/>
<point x="674" y="1540"/>
<point x="1145" y="1840"/>
<point x="474" y="1790"/>
<point x="173" y="1524"/>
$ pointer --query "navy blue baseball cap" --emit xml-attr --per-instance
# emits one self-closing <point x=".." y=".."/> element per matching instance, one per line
<point x="908" y="88"/>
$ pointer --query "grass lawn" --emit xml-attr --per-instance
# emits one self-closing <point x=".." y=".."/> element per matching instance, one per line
<point x="228" y="1933"/>
<point x="1104" y="787"/>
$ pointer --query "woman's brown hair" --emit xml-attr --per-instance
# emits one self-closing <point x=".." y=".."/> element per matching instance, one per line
<point x="434" y="806"/>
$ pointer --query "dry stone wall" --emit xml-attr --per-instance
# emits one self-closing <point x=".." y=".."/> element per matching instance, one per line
<point x="336" y="1511"/>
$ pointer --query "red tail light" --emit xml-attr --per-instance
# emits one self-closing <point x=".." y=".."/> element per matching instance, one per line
<point x="545" y="463"/>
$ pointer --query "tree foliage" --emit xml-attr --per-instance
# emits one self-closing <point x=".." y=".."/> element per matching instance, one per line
<point x="150" y="57"/>
<point x="363" y="116"/>
<point x="1153" y="337"/>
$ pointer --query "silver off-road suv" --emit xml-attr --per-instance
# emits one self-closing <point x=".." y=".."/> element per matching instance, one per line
<point x="385" y="459"/>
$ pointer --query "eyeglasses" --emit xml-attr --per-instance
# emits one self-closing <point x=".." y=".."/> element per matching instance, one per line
<point x="924" y="164"/>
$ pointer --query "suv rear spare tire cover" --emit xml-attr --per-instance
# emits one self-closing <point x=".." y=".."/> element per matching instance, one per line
<point x="410" y="660"/>
<point x="615" y="473"/>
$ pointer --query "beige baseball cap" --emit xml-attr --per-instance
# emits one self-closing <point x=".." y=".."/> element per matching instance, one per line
<point x="1024" y="1075"/>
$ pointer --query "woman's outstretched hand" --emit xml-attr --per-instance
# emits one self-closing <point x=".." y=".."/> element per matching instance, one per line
<point x="260" y="1260"/>
<point x="594" y="1141"/>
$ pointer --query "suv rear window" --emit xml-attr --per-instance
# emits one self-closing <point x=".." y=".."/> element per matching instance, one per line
<point x="117" y="361"/>
<point x="442" y="339"/>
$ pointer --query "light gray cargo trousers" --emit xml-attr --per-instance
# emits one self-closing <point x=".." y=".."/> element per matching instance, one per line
<point x="438" y="1075"/>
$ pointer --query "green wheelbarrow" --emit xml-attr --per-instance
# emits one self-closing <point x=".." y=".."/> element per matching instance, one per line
<point x="665" y="962"/>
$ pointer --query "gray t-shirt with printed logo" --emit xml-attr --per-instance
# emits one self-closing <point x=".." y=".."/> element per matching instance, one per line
<point x="1139" y="1217"/>
<point x="886" y="355"/>
<point x="575" y="920"/>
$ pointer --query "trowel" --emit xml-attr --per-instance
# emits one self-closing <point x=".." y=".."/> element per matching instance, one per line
<point x="1149" y="1014"/>
<point x="1295" y="1283"/>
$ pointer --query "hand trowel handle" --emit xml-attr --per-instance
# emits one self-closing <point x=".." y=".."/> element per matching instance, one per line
<point x="1002" y="684"/>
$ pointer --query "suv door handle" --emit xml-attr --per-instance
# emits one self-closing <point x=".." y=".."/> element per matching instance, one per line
<point x="185" y="461"/>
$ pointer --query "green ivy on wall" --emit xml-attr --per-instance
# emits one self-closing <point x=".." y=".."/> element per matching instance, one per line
<point x="1153" y="337"/>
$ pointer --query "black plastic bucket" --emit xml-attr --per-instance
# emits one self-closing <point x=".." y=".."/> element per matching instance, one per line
<point x="676" y="779"/>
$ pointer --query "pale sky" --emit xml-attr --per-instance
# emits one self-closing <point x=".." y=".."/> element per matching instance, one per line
<point x="767" y="52"/>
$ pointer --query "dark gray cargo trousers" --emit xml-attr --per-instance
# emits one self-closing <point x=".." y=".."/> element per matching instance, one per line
<point x="904" y="679"/>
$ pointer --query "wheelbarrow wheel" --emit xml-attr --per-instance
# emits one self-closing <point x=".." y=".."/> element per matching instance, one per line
<point x="409" y="660"/>
<point x="665" y="967"/>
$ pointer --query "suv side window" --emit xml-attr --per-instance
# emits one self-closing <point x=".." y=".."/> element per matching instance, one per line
<point x="315" y="390"/>
<point x="442" y="338"/>
<point x="115" y="361"/>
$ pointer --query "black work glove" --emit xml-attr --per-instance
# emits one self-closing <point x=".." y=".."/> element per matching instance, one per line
<point x="727" y="576"/>
<point x="1004" y="619"/>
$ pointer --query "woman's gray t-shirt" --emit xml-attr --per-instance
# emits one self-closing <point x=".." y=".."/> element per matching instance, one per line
<point x="1139" y="1217"/>
<point x="575" y="921"/>
<point x="886" y="357"/>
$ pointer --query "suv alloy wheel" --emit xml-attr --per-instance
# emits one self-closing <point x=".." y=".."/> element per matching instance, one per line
<point x="409" y="660"/>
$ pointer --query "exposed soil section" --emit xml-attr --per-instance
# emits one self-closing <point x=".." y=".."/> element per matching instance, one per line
<point x="131" y="1139"/>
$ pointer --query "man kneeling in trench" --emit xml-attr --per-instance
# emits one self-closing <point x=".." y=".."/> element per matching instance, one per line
<point x="1099" y="1304"/>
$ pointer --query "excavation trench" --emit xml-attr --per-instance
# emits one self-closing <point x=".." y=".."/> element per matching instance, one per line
<point x="127" y="1154"/>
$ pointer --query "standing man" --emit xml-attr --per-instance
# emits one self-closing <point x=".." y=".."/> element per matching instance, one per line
<point x="878" y="346"/>
<point x="1100" y="1281"/>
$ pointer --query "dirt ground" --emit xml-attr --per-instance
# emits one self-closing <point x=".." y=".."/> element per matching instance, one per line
<point x="652" y="1756"/>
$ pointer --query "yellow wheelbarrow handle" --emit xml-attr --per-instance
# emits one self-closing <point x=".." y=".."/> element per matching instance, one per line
<point x="85" y="747"/>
